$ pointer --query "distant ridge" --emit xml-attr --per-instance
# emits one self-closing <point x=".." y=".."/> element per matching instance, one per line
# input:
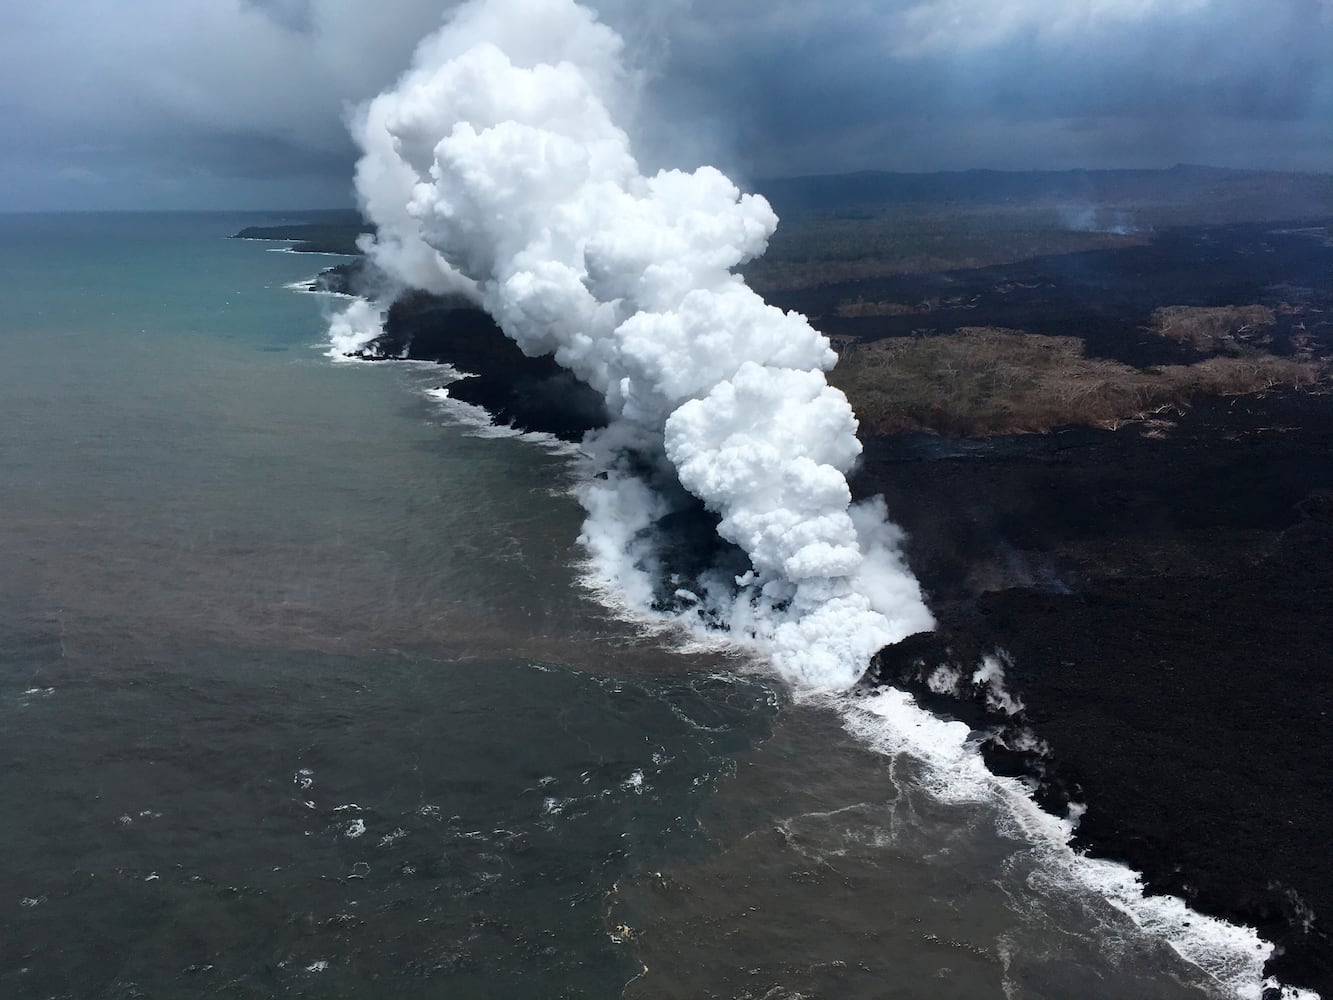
<point x="1181" y="183"/>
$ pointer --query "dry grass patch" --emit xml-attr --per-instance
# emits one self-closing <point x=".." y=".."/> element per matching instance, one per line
<point x="1216" y="328"/>
<point x="860" y="308"/>
<point x="987" y="380"/>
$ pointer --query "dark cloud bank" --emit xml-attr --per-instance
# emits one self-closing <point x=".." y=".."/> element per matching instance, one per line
<point x="242" y="102"/>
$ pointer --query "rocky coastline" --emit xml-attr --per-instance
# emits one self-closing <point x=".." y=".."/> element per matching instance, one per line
<point x="1159" y="590"/>
<point x="530" y="394"/>
<point x="336" y="235"/>
<point x="1163" y="612"/>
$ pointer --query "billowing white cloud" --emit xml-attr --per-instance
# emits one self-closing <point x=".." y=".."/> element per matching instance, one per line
<point x="498" y="164"/>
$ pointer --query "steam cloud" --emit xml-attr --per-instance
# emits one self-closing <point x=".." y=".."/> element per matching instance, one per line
<point x="495" y="167"/>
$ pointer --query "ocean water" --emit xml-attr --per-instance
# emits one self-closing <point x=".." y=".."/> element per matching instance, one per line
<point x="300" y="694"/>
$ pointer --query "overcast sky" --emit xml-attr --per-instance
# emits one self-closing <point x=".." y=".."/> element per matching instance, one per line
<point x="241" y="103"/>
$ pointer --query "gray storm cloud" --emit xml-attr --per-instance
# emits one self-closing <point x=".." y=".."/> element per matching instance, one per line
<point x="206" y="93"/>
<point x="497" y="166"/>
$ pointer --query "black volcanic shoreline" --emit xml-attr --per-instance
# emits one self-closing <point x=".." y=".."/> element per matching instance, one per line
<point x="531" y="394"/>
<point x="1165" y="601"/>
<point x="1167" y="608"/>
<point x="1164" y="591"/>
<point x="338" y="235"/>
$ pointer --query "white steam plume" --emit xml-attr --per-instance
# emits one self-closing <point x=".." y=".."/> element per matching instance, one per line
<point x="496" y="167"/>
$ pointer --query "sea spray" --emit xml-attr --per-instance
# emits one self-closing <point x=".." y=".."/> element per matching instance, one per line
<point x="496" y="168"/>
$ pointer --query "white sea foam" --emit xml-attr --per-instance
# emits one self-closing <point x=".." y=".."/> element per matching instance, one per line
<point x="309" y="286"/>
<point x="890" y="722"/>
<point x="308" y="253"/>
<point x="480" y="422"/>
<point x="1290" y="992"/>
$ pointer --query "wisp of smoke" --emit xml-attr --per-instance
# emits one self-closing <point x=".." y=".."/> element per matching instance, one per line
<point x="496" y="167"/>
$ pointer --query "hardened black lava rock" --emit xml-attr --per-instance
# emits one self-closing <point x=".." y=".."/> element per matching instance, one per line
<point x="1165" y="599"/>
<point x="1167" y="608"/>
<point x="531" y="394"/>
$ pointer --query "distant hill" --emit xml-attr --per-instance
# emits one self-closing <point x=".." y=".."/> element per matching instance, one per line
<point x="847" y="227"/>
<point x="331" y="231"/>
<point x="1281" y="194"/>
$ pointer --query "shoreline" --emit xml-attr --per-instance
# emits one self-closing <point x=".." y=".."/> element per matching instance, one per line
<point x="1028" y="594"/>
<point x="1169" y="678"/>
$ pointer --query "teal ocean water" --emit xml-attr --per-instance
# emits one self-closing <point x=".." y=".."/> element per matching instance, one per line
<point x="300" y="695"/>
